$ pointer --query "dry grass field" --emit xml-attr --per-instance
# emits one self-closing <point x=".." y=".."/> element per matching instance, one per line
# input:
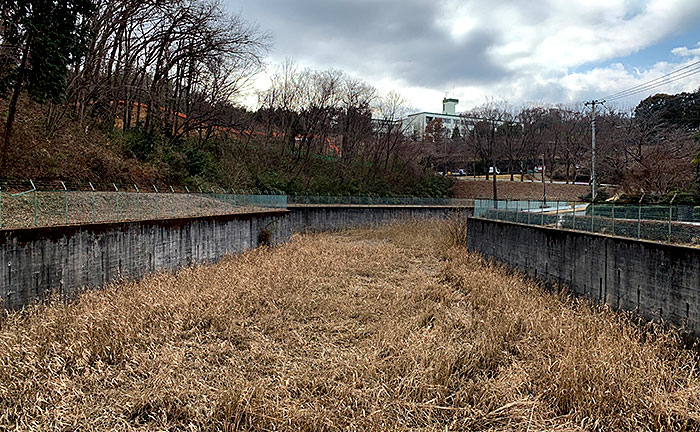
<point x="88" y="207"/>
<point x="518" y="190"/>
<point x="374" y="330"/>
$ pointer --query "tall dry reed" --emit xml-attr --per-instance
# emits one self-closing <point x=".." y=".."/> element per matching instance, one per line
<point x="377" y="329"/>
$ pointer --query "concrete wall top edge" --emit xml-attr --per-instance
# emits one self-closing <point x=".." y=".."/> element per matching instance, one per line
<point x="25" y="235"/>
<point x="373" y="206"/>
<point x="674" y="248"/>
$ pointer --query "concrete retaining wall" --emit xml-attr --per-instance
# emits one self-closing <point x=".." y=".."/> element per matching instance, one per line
<point x="322" y="218"/>
<point x="36" y="262"/>
<point x="658" y="280"/>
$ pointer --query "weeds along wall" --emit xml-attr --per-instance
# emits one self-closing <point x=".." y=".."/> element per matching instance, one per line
<point x="659" y="281"/>
<point x="61" y="260"/>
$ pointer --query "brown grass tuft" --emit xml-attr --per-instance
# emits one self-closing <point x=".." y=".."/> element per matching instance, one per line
<point x="375" y="329"/>
<point x="454" y="230"/>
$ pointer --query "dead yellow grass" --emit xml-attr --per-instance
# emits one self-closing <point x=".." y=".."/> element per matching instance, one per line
<point x="380" y="329"/>
<point x="517" y="190"/>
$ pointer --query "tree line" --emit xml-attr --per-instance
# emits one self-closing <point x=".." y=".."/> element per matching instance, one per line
<point x="163" y="65"/>
<point x="167" y="76"/>
<point x="164" y="77"/>
<point x="652" y="147"/>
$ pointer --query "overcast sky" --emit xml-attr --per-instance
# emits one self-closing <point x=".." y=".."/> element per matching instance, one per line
<point x="522" y="51"/>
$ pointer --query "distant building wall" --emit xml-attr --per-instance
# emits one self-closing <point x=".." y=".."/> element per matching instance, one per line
<point x="660" y="281"/>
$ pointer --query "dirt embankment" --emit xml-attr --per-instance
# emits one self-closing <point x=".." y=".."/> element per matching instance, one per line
<point x="518" y="190"/>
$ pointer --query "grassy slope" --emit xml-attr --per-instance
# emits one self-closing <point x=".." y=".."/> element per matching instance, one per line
<point x="382" y="329"/>
<point x="87" y="154"/>
<point x="518" y="190"/>
<point x="86" y="207"/>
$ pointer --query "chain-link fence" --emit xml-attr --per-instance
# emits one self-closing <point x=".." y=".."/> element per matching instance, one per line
<point x="668" y="223"/>
<point x="379" y="200"/>
<point x="30" y="204"/>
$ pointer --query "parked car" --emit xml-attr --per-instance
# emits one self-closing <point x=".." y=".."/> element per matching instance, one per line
<point x="539" y="168"/>
<point x="491" y="170"/>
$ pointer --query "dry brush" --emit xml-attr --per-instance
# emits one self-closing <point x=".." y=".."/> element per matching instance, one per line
<point x="381" y="329"/>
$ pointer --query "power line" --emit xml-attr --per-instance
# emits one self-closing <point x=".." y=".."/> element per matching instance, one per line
<point x="669" y="81"/>
<point x="674" y="103"/>
<point x="669" y="78"/>
<point x="651" y="81"/>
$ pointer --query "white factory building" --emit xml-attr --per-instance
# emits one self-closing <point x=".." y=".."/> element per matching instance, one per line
<point x="416" y="123"/>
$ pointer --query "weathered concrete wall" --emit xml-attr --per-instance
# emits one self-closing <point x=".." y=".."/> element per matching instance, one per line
<point x="332" y="217"/>
<point x="39" y="261"/>
<point x="658" y="280"/>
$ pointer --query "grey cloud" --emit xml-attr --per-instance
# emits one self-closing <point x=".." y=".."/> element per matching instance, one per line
<point x="400" y="39"/>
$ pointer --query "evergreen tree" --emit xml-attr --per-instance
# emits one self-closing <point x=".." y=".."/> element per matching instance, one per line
<point x="39" y="39"/>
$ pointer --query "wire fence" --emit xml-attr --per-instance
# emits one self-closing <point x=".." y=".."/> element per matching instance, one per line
<point x="30" y="205"/>
<point x="667" y="223"/>
<point x="379" y="200"/>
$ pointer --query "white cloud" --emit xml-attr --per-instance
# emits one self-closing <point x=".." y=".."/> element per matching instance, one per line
<point x="686" y="52"/>
<point x="519" y="50"/>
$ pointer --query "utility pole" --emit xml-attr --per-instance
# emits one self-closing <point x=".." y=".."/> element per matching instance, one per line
<point x="593" y="103"/>
<point x="544" y="184"/>
<point x="493" y="163"/>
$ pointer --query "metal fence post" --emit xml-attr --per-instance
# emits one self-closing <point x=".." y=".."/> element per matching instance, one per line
<point x="94" y="214"/>
<point x="592" y="216"/>
<point x="0" y="207"/>
<point x="188" y="201"/>
<point x="36" y="214"/>
<point x="544" y="203"/>
<point x="613" y="218"/>
<point x="200" y="200"/>
<point x="639" y="217"/>
<point x="574" y="214"/>
<point x="528" y="212"/>
<point x="557" y="213"/>
<point x="117" y="189"/>
<point x="670" y="216"/>
<point x="173" y="192"/>
<point x="65" y="195"/>
<point x="156" y="189"/>
<point x="216" y="204"/>
<point x="138" y="202"/>
<point x="639" y="220"/>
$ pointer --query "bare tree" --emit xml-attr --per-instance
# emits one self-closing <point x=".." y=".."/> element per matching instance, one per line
<point x="483" y="136"/>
